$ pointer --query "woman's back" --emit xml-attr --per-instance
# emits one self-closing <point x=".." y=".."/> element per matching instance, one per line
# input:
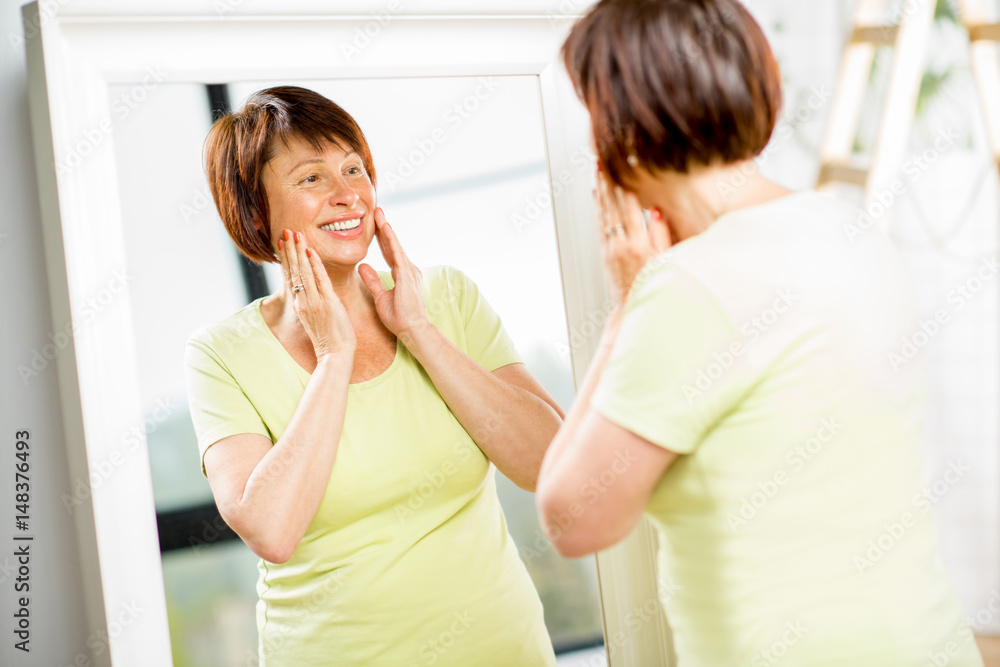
<point x="771" y="350"/>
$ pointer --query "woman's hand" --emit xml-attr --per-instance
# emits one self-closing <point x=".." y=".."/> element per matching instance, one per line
<point x="401" y="308"/>
<point x="320" y="311"/>
<point x="626" y="243"/>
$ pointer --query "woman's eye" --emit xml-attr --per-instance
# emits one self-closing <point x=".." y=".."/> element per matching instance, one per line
<point x="310" y="179"/>
<point x="354" y="170"/>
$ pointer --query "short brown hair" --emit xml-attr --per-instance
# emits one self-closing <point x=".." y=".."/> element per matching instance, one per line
<point x="674" y="83"/>
<point x="240" y="144"/>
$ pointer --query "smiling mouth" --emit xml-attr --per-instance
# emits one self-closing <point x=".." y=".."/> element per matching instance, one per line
<point x="343" y="226"/>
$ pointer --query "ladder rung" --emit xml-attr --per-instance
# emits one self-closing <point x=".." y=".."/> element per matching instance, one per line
<point x="882" y="35"/>
<point x="833" y="172"/>
<point x="984" y="32"/>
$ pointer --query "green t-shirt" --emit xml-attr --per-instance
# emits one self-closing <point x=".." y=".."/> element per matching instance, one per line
<point x="793" y="528"/>
<point x="408" y="560"/>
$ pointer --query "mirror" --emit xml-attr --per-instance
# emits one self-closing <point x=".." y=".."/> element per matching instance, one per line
<point x="463" y="178"/>
<point x="117" y="105"/>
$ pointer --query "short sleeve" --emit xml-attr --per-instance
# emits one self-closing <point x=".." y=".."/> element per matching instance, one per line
<point x="487" y="342"/>
<point x="676" y="367"/>
<point x="219" y="407"/>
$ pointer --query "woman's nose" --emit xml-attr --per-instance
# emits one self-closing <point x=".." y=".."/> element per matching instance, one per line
<point x="342" y="194"/>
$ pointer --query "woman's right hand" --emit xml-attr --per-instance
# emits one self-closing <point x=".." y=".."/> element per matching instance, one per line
<point x="320" y="311"/>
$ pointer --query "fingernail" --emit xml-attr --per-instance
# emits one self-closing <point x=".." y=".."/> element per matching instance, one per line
<point x="298" y="237"/>
<point x="309" y="252"/>
<point x="281" y="244"/>
<point x="287" y="234"/>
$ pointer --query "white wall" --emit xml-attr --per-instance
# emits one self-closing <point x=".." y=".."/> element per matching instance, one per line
<point x="58" y="635"/>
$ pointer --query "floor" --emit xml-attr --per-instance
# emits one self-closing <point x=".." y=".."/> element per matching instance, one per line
<point x="988" y="646"/>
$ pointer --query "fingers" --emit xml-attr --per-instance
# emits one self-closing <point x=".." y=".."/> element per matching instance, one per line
<point x="371" y="279"/>
<point x="389" y="243"/>
<point x="659" y="232"/>
<point x="631" y="212"/>
<point x="306" y="276"/>
<point x="321" y="278"/>
<point x="380" y="237"/>
<point x="292" y="258"/>
<point x="610" y="205"/>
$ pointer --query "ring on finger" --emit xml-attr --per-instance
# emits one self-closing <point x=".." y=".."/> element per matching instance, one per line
<point x="617" y="230"/>
<point x="298" y="288"/>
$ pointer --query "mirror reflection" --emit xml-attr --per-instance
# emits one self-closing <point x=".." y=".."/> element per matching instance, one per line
<point x="462" y="180"/>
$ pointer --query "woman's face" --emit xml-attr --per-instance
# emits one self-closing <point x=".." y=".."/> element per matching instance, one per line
<point x="311" y="192"/>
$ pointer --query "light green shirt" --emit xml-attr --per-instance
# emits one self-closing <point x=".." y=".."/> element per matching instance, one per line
<point x="793" y="530"/>
<point x="408" y="560"/>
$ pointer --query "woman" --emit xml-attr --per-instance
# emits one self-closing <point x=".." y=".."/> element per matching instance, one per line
<point x="741" y="395"/>
<point x="347" y="422"/>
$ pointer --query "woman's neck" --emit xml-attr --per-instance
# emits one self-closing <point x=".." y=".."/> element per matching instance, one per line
<point x="695" y="200"/>
<point x="348" y="287"/>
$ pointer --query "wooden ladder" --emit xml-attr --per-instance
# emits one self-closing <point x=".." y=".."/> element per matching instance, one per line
<point x="908" y="36"/>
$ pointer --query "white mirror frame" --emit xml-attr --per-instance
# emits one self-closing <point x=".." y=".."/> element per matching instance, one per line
<point x="75" y="52"/>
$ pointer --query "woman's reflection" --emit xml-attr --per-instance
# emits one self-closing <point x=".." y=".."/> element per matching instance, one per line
<point x="347" y="421"/>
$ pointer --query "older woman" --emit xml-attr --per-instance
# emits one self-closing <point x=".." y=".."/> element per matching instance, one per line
<point x="743" y="395"/>
<point x="350" y="424"/>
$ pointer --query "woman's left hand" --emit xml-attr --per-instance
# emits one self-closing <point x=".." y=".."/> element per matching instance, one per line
<point x="401" y="308"/>
<point x="626" y="243"/>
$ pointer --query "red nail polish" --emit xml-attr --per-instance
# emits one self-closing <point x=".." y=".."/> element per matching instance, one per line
<point x="309" y="252"/>
<point x="281" y="244"/>
<point x="287" y="234"/>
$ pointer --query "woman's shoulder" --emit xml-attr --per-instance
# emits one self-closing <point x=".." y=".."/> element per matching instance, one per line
<point x="444" y="278"/>
<point x="229" y="332"/>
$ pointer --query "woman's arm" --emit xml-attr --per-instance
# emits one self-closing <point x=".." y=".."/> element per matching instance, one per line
<point x="597" y="477"/>
<point x="507" y="412"/>
<point x="269" y="494"/>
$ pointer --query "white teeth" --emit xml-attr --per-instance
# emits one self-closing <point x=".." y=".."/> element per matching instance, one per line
<point x="342" y="226"/>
